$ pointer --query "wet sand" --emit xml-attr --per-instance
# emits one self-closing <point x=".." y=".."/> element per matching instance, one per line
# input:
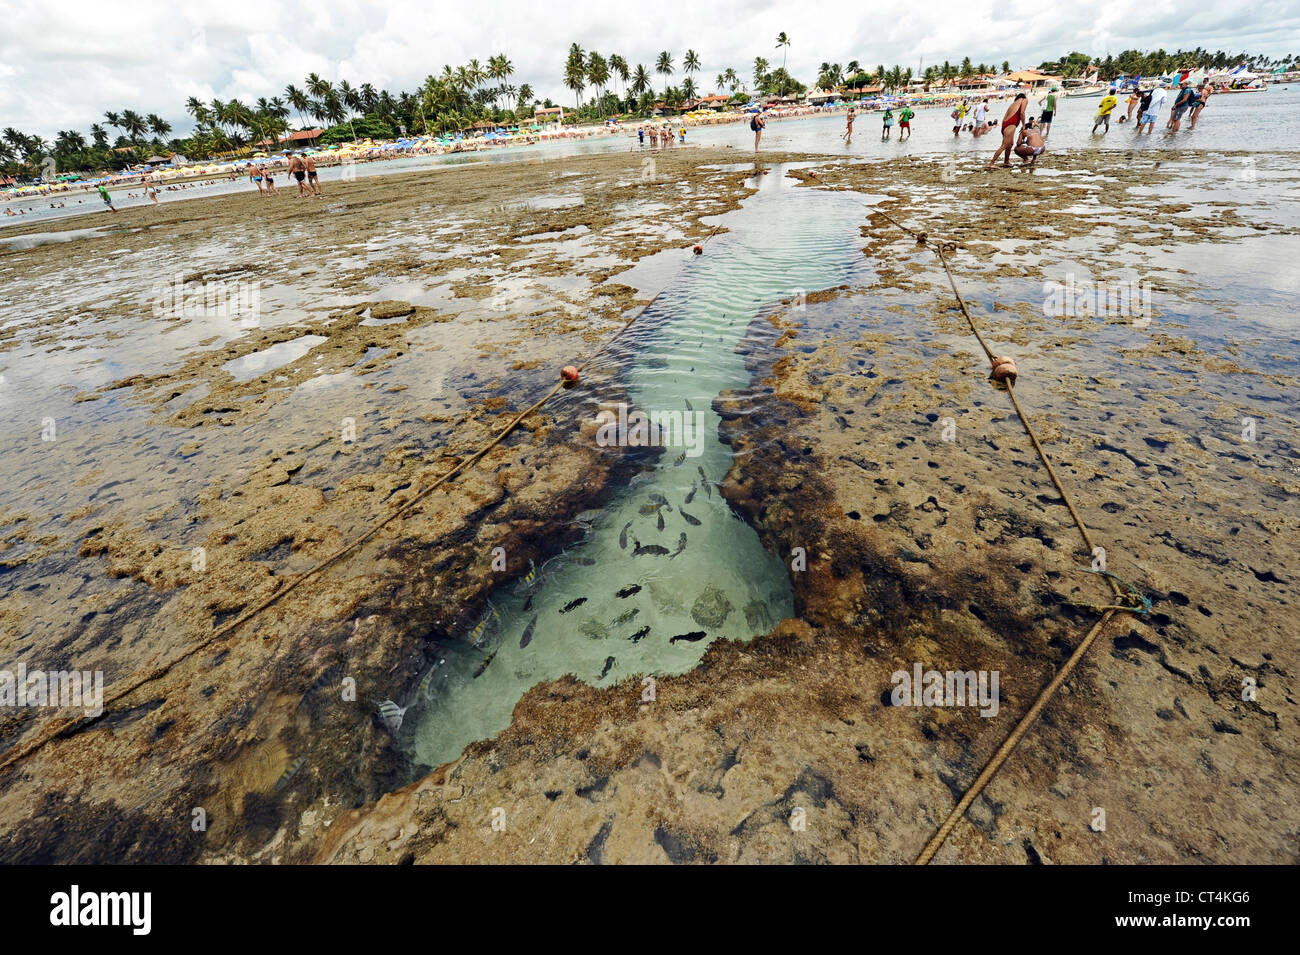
<point x="955" y="554"/>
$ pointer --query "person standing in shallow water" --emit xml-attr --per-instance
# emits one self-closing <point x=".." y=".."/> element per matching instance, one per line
<point x="756" y="123"/>
<point x="1015" y="116"/>
<point x="888" y="123"/>
<point x="848" y="126"/>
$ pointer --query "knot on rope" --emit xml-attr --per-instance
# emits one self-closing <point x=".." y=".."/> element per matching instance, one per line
<point x="1004" y="369"/>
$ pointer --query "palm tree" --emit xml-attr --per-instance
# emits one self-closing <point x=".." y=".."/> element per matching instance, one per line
<point x="730" y="78"/>
<point x="691" y="62"/>
<point x="967" y="70"/>
<point x="1006" y="66"/>
<point x="664" y="67"/>
<point x="760" y="71"/>
<point x="688" y="88"/>
<point x="525" y="96"/>
<point x="618" y="66"/>
<point x="782" y="44"/>
<point x="98" y="133"/>
<point x="640" y="80"/>
<point x="133" y="124"/>
<point x="113" y="119"/>
<point x="299" y="100"/>
<point x="575" y="73"/>
<point x="853" y="69"/>
<point x="158" y="126"/>
<point x="598" y="73"/>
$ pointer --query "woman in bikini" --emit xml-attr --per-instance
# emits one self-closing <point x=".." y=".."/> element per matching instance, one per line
<point x="1014" y="117"/>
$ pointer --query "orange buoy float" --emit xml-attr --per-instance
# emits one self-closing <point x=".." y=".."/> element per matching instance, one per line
<point x="569" y="373"/>
<point x="699" y="250"/>
<point x="1004" y="369"/>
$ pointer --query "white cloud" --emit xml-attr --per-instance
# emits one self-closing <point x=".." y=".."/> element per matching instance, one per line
<point x="65" y="64"/>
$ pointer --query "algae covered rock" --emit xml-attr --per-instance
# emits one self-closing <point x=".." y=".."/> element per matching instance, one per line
<point x="711" y="607"/>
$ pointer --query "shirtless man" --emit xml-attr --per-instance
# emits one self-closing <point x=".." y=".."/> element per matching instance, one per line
<point x="1031" y="144"/>
<point x="1015" y="116"/>
<point x="313" y="180"/>
<point x="298" y="169"/>
<point x="1207" y="89"/>
<point x="256" y="174"/>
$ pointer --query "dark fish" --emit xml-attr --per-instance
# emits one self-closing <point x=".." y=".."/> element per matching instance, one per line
<point x="292" y="771"/>
<point x="527" y="638"/>
<point x="573" y="603"/>
<point x="625" y="617"/>
<point x="654" y="550"/>
<point x="650" y="508"/>
<point x="689" y="518"/>
<point x="704" y="480"/>
<point x="484" y="665"/>
<point x="622" y="535"/>
<point x="657" y="498"/>
<point x="629" y="591"/>
<point x="640" y="633"/>
<point x="681" y="546"/>
<point x="680" y="458"/>
<point x="688" y="404"/>
<point x="584" y="561"/>
<point x="528" y="604"/>
<point x="661" y="520"/>
<point x="693" y="637"/>
<point x="691" y="496"/>
<point x="609" y="663"/>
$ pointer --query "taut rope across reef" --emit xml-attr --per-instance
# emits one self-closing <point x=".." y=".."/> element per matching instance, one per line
<point x="568" y="378"/>
<point x="1126" y="601"/>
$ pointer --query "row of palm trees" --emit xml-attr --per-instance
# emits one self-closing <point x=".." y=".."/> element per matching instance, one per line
<point x="583" y="69"/>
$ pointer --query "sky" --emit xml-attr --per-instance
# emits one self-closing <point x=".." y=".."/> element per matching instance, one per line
<point x="62" y="65"/>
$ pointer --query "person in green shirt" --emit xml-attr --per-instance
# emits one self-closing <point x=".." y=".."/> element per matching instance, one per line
<point x="1104" y="109"/>
<point x="1049" y="110"/>
<point x="108" y="200"/>
<point x="905" y="123"/>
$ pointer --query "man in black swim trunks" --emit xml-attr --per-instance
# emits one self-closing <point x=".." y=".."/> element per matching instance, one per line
<point x="313" y="181"/>
<point x="298" y="169"/>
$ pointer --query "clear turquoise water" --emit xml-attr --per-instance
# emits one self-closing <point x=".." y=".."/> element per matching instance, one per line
<point x="682" y="351"/>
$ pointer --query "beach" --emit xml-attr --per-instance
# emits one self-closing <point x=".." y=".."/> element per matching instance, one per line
<point x="211" y="397"/>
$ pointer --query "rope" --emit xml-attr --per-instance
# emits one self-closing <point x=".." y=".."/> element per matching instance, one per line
<point x="1011" y="742"/>
<point x="22" y="752"/>
<point x="1140" y="603"/>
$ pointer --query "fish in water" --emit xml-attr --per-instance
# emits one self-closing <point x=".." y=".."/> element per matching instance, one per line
<point x="688" y="404"/>
<point x="485" y="626"/>
<point x="392" y="715"/>
<point x="527" y="638"/>
<point x="583" y="561"/>
<point x="422" y="691"/>
<point x="528" y="604"/>
<point x="654" y="550"/>
<point x="691" y="496"/>
<point x="484" y="665"/>
<point x="622" y="535"/>
<point x="680" y="459"/>
<point x="657" y="498"/>
<point x="629" y="591"/>
<point x="693" y="637"/>
<point x="681" y="546"/>
<point x="689" y="518"/>
<point x="640" y="634"/>
<point x="625" y="617"/>
<point x="704" y="481"/>
<point x="609" y="663"/>
<point x="661" y="520"/>
<point x="292" y="771"/>
<point x="529" y="578"/>
<point x="572" y="604"/>
<point x="649" y="509"/>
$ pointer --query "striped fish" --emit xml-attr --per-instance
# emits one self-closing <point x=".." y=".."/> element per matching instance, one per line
<point x="392" y="714"/>
<point x="289" y="773"/>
